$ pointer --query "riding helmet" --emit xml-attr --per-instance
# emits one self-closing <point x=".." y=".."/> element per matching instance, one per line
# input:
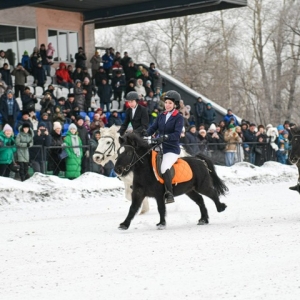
<point x="173" y="96"/>
<point x="132" y="96"/>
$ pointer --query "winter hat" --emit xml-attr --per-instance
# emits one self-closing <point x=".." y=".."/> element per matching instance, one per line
<point x="208" y="104"/>
<point x="26" y="124"/>
<point x="269" y="126"/>
<point x="25" y="52"/>
<point x="231" y="126"/>
<point x="56" y="125"/>
<point x="280" y="127"/>
<point x="148" y="82"/>
<point x="87" y="118"/>
<point x="9" y="92"/>
<point x="45" y="114"/>
<point x="7" y="127"/>
<point x="42" y="124"/>
<point x="212" y="127"/>
<point x="192" y="126"/>
<point x="72" y="126"/>
<point x="79" y="117"/>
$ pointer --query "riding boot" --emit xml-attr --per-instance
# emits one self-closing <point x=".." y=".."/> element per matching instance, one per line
<point x="168" y="187"/>
<point x="295" y="188"/>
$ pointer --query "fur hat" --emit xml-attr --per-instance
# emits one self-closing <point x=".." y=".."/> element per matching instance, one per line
<point x="26" y="124"/>
<point x="56" y="125"/>
<point x="72" y="126"/>
<point x="7" y="127"/>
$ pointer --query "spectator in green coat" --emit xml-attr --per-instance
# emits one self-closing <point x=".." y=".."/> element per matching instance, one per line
<point x="7" y="150"/>
<point x="74" y="151"/>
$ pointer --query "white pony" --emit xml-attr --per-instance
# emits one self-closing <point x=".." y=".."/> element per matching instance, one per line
<point x="108" y="146"/>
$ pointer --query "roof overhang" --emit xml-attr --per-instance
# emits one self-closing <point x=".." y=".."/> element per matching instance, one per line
<point x="123" y="12"/>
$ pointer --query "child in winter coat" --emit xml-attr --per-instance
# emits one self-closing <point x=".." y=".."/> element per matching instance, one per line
<point x="7" y="150"/>
<point x="50" y="53"/>
<point x="24" y="140"/>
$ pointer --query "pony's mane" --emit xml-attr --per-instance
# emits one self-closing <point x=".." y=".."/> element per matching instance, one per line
<point x="135" y="140"/>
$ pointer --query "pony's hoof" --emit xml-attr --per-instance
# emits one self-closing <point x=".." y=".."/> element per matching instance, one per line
<point x="122" y="226"/>
<point x="202" y="222"/>
<point x="221" y="207"/>
<point x="161" y="226"/>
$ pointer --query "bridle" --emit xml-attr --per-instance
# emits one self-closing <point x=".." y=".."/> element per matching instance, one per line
<point x="134" y="159"/>
<point x="111" y="147"/>
<point x="294" y="163"/>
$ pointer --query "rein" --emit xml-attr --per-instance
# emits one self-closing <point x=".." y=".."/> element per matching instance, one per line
<point x="111" y="147"/>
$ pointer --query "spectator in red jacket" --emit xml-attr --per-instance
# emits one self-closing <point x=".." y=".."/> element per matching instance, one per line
<point x="63" y="76"/>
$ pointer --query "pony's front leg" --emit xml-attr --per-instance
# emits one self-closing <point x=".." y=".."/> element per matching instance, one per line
<point x="137" y="198"/>
<point x="162" y="212"/>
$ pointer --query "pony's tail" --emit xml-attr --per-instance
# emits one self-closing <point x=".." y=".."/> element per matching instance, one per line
<point x="218" y="183"/>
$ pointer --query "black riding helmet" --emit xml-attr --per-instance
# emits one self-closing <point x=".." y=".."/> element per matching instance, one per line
<point x="173" y="96"/>
<point x="132" y="96"/>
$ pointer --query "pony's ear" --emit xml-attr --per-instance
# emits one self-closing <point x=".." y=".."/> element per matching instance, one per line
<point x="121" y="140"/>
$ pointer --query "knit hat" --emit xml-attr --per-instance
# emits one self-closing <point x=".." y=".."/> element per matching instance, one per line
<point x="72" y="126"/>
<point x="7" y="127"/>
<point x="56" y="125"/>
<point x="87" y="118"/>
<point x="280" y="127"/>
<point x="25" y="52"/>
<point x="41" y="124"/>
<point x="148" y="82"/>
<point x="208" y="104"/>
<point x="212" y="127"/>
<point x="9" y="92"/>
<point x="231" y="126"/>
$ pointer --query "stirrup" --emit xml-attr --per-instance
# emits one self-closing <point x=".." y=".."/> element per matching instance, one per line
<point x="169" y="198"/>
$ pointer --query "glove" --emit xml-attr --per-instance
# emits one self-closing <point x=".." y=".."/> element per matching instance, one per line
<point x="87" y="154"/>
<point x="161" y="139"/>
<point x="10" y="143"/>
<point x="28" y="145"/>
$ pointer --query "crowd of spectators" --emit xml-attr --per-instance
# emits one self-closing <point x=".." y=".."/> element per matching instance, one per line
<point x="69" y="127"/>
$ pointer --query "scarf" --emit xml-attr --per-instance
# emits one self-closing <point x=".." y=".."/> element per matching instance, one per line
<point x="75" y="144"/>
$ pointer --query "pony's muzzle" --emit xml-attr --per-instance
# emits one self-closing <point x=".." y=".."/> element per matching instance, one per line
<point x="97" y="158"/>
<point x="119" y="170"/>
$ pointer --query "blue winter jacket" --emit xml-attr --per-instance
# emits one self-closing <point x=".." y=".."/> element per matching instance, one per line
<point x="172" y="128"/>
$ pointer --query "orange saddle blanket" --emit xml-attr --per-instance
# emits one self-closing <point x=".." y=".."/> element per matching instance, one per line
<point x="183" y="171"/>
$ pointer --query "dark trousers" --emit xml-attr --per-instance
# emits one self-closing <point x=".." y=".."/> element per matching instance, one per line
<point x="18" y="89"/>
<point x="4" y="170"/>
<point x="23" y="170"/>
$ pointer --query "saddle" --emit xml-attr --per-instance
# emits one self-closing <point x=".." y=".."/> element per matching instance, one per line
<point x="180" y="171"/>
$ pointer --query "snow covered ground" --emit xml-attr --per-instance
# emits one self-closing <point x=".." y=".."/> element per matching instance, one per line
<point x="59" y="240"/>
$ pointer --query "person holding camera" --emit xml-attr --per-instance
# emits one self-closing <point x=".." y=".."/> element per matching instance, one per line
<point x="20" y="79"/>
<point x="80" y="58"/>
<point x="41" y="139"/>
<point x="28" y="100"/>
<point x="47" y="104"/>
<point x="7" y="150"/>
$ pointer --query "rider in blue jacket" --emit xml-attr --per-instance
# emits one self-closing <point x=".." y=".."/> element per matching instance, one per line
<point x="169" y="124"/>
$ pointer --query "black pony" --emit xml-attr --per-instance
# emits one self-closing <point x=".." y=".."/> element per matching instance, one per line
<point x="294" y="156"/>
<point x="135" y="155"/>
